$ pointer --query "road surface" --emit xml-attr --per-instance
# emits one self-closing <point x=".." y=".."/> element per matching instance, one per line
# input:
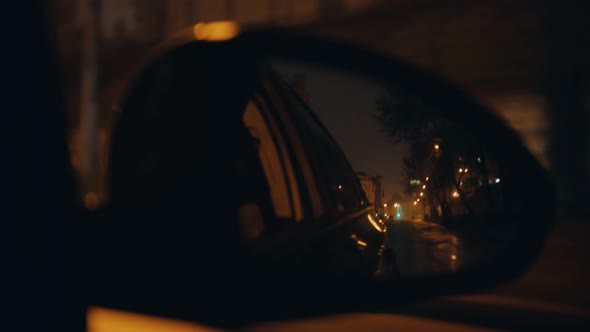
<point x="424" y="248"/>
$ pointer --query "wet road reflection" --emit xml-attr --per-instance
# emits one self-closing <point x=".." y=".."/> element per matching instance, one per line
<point x="424" y="248"/>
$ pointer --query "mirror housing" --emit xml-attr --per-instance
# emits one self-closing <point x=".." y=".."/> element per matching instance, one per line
<point x="257" y="297"/>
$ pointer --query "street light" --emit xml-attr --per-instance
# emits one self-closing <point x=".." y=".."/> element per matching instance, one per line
<point x="455" y="194"/>
<point x="427" y="178"/>
<point x="421" y="194"/>
<point x="424" y="187"/>
<point x="384" y="205"/>
<point x="415" y="202"/>
<point x="436" y="146"/>
<point x="396" y="205"/>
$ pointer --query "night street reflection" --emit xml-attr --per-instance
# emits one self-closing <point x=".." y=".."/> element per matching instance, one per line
<point x="439" y="189"/>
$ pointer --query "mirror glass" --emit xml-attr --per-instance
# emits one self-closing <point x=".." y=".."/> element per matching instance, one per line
<point x="270" y="169"/>
<point x="437" y="190"/>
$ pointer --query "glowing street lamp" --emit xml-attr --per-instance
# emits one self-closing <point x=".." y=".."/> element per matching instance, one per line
<point x="424" y="187"/>
<point x="455" y="194"/>
<point x="436" y="146"/>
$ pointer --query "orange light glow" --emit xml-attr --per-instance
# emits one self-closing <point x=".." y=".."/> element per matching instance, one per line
<point x="455" y="194"/>
<point x="375" y="224"/>
<point x="361" y="243"/>
<point x="102" y="320"/>
<point x="216" y="31"/>
<point x="91" y="201"/>
<point x="453" y="257"/>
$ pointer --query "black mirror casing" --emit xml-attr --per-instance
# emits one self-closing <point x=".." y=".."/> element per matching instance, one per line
<point x="250" y="297"/>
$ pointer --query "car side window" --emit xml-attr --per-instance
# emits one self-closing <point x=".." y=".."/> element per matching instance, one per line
<point x="276" y="165"/>
<point x="332" y="167"/>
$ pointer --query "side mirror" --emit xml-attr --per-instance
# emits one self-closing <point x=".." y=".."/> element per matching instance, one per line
<point x="449" y="200"/>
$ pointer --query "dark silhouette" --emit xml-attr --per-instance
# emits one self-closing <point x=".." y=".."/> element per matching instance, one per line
<point x="43" y="240"/>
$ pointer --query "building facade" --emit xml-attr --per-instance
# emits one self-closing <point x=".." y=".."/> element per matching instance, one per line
<point x="373" y="188"/>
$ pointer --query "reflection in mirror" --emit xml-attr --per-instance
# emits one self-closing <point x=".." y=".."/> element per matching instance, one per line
<point x="435" y="187"/>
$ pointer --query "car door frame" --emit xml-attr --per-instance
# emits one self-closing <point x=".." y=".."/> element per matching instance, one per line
<point x="309" y="242"/>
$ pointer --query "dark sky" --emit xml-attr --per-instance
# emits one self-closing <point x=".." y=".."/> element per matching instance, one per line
<point x="346" y="104"/>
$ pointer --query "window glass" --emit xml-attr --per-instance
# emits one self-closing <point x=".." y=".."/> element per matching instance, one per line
<point x="270" y="160"/>
<point x="301" y="179"/>
<point x="329" y="161"/>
